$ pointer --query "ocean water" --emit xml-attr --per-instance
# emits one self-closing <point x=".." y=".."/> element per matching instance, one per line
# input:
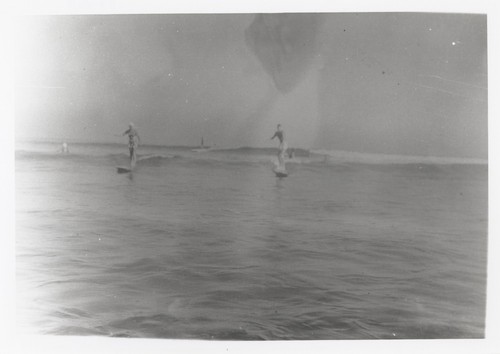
<point x="213" y="246"/>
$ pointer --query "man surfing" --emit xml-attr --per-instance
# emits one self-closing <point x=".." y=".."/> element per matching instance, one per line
<point x="280" y="134"/>
<point x="133" y="143"/>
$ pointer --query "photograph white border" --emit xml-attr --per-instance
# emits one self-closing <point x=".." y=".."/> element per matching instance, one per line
<point x="13" y="343"/>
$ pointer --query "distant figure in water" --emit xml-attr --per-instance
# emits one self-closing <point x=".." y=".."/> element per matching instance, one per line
<point x="280" y="134"/>
<point x="291" y="153"/>
<point x="64" y="148"/>
<point x="133" y="143"/>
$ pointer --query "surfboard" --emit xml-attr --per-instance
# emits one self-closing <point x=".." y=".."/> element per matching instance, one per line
<point x="120" y="169"/>
<point x="280" y="172"/>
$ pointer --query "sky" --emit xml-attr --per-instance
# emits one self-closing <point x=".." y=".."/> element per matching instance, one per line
<point x="394" y="83"/>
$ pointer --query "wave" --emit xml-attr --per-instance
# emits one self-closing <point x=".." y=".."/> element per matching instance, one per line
<point x="261" y="151"/>
<point x="339" y="156"/>
<point x="306" y="156"/>
<point x="25" y="154"/>
<point x="42" y="155"/>
<point x="155" y="155"/>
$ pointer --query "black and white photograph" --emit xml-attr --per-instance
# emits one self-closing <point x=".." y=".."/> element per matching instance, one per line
<point x="253" y="176"/>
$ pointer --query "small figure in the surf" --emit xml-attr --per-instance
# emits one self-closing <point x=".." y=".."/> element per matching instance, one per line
<point x="280" y="134"/>
<point x="64" y="148"/>
<point x="133" y="143"/>
<point x="291" y="153"/>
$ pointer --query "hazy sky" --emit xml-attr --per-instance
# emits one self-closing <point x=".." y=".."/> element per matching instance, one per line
<point x="402" y="83"/>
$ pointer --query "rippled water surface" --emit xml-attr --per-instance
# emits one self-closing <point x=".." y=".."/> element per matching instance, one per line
<point x="213" y="246"/>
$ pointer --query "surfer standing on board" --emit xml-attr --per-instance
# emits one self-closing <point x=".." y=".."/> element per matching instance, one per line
<point x="64" y="148"/>
<point x="133" y="143"/>
<point x="280" y="134"/>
